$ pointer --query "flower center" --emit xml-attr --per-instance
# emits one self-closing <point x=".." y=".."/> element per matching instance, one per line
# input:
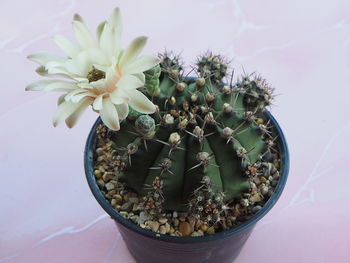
<point x="95" y="74"/>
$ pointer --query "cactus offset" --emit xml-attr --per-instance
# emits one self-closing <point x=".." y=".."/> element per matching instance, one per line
<point x="203" y="130"/>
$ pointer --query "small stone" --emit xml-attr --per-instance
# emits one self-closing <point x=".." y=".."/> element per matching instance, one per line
<point x="192" y="222"/>
<point x="203" y="228"/>
<point x="176" y="222"/>
<point x="143" y="217"/>
<point x="185" y="228"/>
<point x="256" y="208"/>
<point x="244" y="202"/>
<point x="113" y="202"/>
<point x="175" y="214"/>
<point x="198" y="233"/>
<point x="162" y="230"/>
<point x="126" y="206"/>
<point x="109" y="186"/>
<point x="97" y="173"/>
<point x="134" y="200"/>
<point x="167" y="228"/>
<point x="163" y="220"/>
<point x="100" y="182"/>
<point x="112" y="192"/>
<point x="264" y="189"/>
<point x="154" y="225"/>
<point x="211" y="230"/>
<point x="118" y="199"/>
<point x="124" y="214"/>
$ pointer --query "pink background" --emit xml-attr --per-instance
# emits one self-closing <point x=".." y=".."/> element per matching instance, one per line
<point x="47" y="213"/>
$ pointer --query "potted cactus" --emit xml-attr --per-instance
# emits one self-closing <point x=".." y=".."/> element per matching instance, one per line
<point x="186" y="166"/>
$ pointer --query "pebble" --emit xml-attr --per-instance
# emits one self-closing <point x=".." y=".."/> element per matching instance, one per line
<point x="245" y="202"/>
<point x="176" y="222"/>
<point x="134" y="200"/>
<point x="124" y="214"/>
<point x="101" y="183"/>
<point x="162" y="230"/>
<point x="109" y="186"/>
<point x="175" y="215"/>
<point x="264" y="189"/>
<point x="203" y="228"/>
<point x="185" y="228"/>
<point x="113" y="202"/>
<point x="211" y="230"/>
<point x="97" y="173"/>
<point x="143" y="217"/>
<point x="198" y="233"/>
<point x="154" y="225"/>
<point x="192" y="223"/>
<point x="163" y="220"/>
<point x="126" y="206"/>
<point x="118" y="199"/>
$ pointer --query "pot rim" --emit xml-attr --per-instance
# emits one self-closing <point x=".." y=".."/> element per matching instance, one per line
<point x="88" y="165"/>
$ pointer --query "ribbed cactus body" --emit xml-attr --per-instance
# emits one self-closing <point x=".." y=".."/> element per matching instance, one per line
<point x="202" y="129"/>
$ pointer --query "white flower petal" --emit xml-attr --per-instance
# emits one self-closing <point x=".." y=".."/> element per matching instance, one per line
<point x="43" y="58"/>
<point x="118" y="96"/>
<point x="141" y="64"/>
<point x="115" y="20"/>
<point x="97" y="105"/>
<point x="73" y="93"/>
<point x="109" y="115"/>
<point x="140" y="102"/>
<point x="60" y="86"/>
<point x="140" y="76"/>
<point x="64" y="110"/>
<point x="73" y="118"/>
<point x="133" y="50"/>
<point x="39" y="85"/>
<point x="83" y="35"/>
<point x="67" y="46"/>
<point x="99" y="30"/>
<point x="97" y="56"/>
<point x="123" y="110"/>
<point x="129" y="82"/>
<point x="78" y="97"/>
<point x="111" y="34"/>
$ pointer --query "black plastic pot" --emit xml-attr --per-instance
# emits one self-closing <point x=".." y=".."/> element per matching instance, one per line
<point x="149" y="247"/>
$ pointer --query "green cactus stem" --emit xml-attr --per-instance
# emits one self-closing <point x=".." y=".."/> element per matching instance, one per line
<point x="203" y="130"/>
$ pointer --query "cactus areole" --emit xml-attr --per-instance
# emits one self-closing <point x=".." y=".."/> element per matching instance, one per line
<point x="204" y="152"/>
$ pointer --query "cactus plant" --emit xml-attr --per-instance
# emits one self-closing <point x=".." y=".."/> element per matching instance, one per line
<point x="202" y="145"/>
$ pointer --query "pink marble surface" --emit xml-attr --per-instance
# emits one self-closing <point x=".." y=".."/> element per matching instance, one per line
<point x="47" y="213"/>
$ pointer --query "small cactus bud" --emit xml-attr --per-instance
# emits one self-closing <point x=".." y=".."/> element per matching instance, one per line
<point x="168" y="119"/>
<point x="166" y="164"/>
<point x="172" y="100"/>
<point x="210" y="97"/>
<point x="203" y="157"/>
<point x="174" y="73"/>
<point x="132" y="148"/>
<point x="226" y="90"/>
<point x="204" y="109"/>
<point x="206" y="180"/>
<point x="194" y="97"/>
<point x="200" y="82"/>
<point x="227" y="108"/>
<point x="241" y="152"/>
<point x="181" y="86"/>
<point x="227" y="133"/>
<point x="183" y="124"/>
<point x="174" y="138"/>
<point x="198" y="131"/>
<point x="145" y="124"/>
<point x="185" y="106"/>
<point x="209" y="118"/>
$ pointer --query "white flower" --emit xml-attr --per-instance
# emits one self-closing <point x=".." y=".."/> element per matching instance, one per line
<point x="99" y="73"/>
